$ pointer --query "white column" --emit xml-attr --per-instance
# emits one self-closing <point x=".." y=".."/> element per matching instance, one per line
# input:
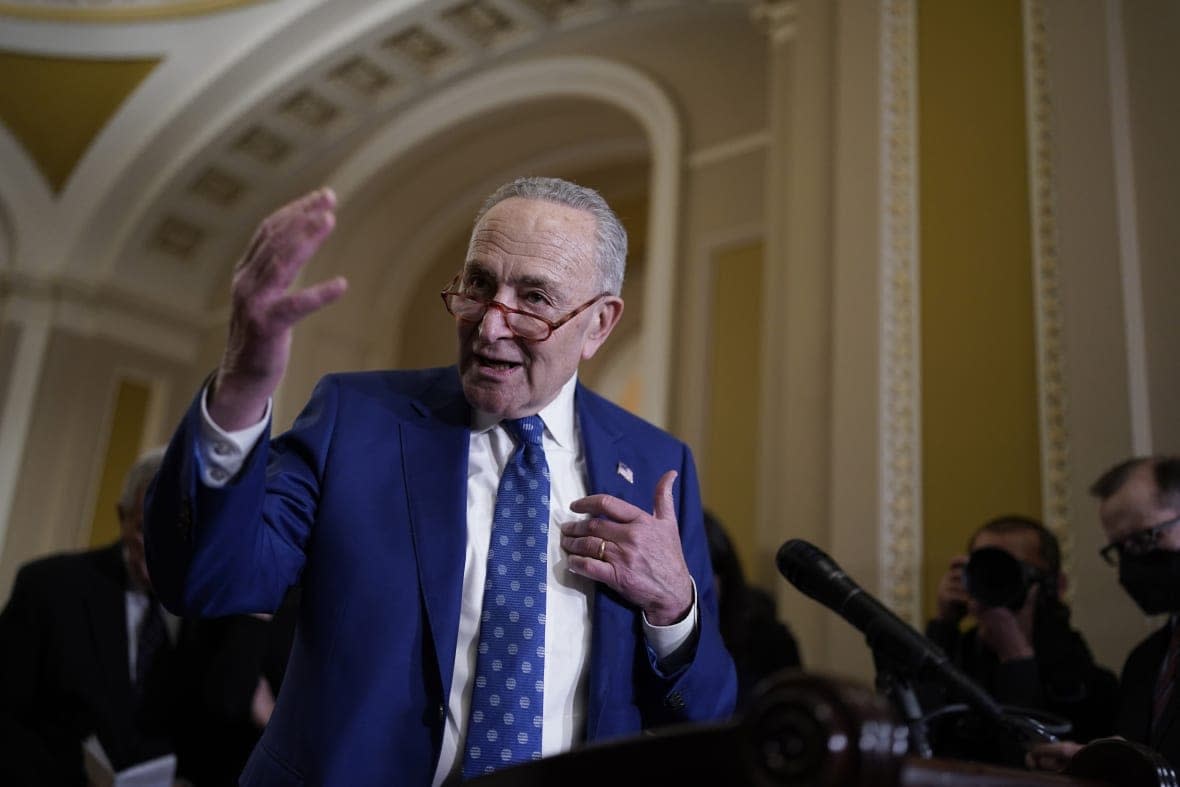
<point x="33" y="320"/>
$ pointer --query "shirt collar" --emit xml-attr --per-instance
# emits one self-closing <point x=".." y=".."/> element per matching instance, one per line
<point x="558" y="416"/>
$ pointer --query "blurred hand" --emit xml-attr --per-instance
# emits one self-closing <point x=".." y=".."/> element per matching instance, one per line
<point x="633" y="552"/>
<point x="952" y="593"/>
<point x="1051" y="756"/>
<point x="262" y="704"/>
<point x="1008" y="634"/>
<point x="264" y="312"/>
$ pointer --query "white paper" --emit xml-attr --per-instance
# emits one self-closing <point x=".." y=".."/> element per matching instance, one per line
<point x="160" y="772"/>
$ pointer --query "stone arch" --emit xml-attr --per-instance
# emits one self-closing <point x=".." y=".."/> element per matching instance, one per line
<point x="595" y="79"/>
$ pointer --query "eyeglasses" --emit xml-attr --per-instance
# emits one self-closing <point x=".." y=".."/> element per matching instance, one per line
<point x="1139" y="543"/>
<point x="524" y="325"/>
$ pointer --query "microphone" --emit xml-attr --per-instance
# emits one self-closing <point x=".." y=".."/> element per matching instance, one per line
<point x="810" y="570"/>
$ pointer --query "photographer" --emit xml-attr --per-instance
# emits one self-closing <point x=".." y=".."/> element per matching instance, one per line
<point x="1021" y="649"/>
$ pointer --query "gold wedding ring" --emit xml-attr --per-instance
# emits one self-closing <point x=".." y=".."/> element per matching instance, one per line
<point x="601" y="549"/>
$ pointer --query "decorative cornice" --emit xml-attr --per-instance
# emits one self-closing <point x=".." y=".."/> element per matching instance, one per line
<point x="900" y="416"/>
<point x="1051" y="385"/>
<point x="778" y="18"/>
<point x="102" y="310"/>
<point x="348" y="92"/>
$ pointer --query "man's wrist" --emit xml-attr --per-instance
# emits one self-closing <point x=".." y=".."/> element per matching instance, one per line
<point x="234" y="406"/>
<point x="222" y="453"/>
<point x="671" y="614"/>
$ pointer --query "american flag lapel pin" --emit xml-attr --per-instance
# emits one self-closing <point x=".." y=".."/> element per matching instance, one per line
<point x="626" y="473"/>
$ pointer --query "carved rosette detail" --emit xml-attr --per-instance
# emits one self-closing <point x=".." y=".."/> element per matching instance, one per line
<point x="901" y="461"/>
<point x="1051" y="385"/>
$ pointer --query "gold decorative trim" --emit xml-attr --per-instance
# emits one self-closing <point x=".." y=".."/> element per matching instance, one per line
<point x="127" y="11"/>
<point x="1051" y="385"/>
<point x="901" y="458"/>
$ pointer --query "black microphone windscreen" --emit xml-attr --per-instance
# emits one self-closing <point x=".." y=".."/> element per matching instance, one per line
<point x="809" y="569"/>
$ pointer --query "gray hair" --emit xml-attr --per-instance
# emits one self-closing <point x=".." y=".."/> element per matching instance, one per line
<point x="609" y="235"/>
<point x="139" y="476"/>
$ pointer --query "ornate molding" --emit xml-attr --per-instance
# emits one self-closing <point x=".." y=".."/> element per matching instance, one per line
<point x="114" y="10"/>
<point x="609" y="82"/>
<point x="1051" y="385"/>
<point x="102" y="310"/>
<point x="900" y="416"/>
<point x="349" y="91"/>
<point x="777" y="18"/>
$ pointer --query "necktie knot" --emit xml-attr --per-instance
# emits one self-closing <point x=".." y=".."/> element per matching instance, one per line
<point x="528" y="430"/>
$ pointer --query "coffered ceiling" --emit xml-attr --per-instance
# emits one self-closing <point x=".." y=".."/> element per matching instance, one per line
<point x="142" y="141"/>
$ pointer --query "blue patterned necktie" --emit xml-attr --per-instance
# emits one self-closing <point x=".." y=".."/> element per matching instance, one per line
<point x="507" y="700"/>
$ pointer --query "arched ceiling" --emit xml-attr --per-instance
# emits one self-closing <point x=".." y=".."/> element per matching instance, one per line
<point x="114" y="10"/>
<point x="233" y="108"/>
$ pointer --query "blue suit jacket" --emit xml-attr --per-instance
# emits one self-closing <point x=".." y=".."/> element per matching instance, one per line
<point x="363" y="502"/>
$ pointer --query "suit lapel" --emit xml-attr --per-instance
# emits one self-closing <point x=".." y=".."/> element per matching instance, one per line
<point x="434" y="458"/>
<point x="608" y="462"/>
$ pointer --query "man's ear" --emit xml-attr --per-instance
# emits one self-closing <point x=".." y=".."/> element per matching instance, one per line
<point x="606" y="316"/>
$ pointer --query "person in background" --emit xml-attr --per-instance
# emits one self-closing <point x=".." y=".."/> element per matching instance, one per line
<point x="1139" y="508"/>
<point x="1021" y="649"/>
<point x="86" y="649"/>
<point x="760" y="644"/>
<point x="234" y="667"/>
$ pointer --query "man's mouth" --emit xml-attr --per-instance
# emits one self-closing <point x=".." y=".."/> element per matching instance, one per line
<point x="496" y="364"/>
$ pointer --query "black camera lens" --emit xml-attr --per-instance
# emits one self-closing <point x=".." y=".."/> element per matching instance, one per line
<point x="996" y="579"/>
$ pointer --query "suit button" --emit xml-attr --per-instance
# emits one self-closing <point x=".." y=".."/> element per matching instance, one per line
<point x="675" y="701"/>
<point x="442" y="712"/>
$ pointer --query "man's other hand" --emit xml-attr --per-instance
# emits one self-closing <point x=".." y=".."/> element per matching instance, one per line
<point x="633" y="552"/>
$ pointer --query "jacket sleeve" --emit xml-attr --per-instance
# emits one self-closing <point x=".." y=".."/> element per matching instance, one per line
<point x="704" y="688"/>
<point x="238" y="548"/>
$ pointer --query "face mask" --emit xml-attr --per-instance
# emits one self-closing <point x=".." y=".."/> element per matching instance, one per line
<point x="1152" y="580"/>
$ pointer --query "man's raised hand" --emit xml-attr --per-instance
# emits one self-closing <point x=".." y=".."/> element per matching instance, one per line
<point x="264" y="309"/>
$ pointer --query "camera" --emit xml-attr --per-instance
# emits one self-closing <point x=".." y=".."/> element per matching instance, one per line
<point x="995" y="578"/>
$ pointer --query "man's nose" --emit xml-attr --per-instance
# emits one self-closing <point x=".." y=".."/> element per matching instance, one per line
<point x="494" y="324"/>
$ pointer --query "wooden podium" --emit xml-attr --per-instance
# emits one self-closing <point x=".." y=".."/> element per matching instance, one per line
<point x="805" y="730"/>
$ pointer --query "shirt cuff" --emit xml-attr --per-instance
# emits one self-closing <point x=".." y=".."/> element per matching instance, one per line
<point x="221" y="454"/>
<point x="671" y="643"/>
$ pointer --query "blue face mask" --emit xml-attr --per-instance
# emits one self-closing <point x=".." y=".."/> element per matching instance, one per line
<point x="1152" y="580"/>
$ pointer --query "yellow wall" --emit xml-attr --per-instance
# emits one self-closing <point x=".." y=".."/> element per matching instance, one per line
<point x="55" y="106"/>
<point x="729" y="469"/>
<point x="127" y="423"/>
<point x="979" y="394"/>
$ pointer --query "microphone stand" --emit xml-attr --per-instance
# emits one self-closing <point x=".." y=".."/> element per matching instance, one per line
<point x="897" y="683"/>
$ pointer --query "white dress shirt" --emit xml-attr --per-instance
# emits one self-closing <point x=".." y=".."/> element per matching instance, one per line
<point x="569" y="597"/>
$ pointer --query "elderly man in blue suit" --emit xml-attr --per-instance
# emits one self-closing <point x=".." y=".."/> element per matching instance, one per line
<point x="497" y="564"/>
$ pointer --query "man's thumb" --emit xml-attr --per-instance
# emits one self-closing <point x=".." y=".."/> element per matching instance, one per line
<point x="665" y="504"/>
